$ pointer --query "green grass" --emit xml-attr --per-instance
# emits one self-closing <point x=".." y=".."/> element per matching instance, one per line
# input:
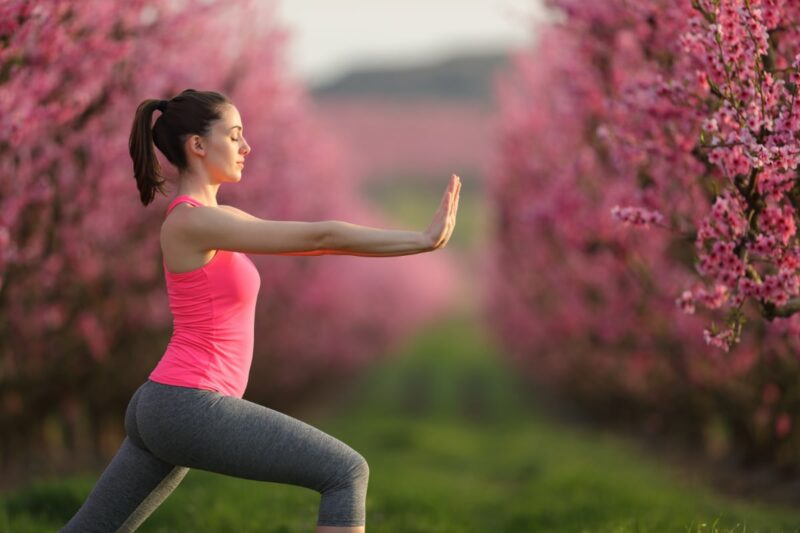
<point x="452" y="446"/>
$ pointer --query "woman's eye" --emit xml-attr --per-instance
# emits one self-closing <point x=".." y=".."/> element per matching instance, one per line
<point x="234" y="139"/>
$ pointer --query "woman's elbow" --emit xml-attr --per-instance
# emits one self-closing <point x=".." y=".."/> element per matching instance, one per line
<point x="329" y="238"/>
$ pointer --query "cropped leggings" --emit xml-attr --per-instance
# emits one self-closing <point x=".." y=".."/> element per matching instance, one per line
<point x="171" y="429"/>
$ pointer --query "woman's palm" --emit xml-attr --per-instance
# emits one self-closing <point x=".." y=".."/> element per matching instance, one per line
<point x="444" y="221"/>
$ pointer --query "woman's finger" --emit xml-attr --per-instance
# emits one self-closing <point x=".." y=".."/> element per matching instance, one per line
<point x="442" y="206"/>
<point x="452" y="202"/>
<point x="446" y="195"/>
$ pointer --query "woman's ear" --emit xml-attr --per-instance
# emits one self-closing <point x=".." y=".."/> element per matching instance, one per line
<point x="195" y="144"/>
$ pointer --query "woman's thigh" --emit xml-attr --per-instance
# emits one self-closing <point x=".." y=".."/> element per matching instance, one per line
<point x="237" y="437"/>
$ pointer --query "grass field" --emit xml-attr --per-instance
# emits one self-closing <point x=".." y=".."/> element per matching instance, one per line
<point x="452" y="446"/>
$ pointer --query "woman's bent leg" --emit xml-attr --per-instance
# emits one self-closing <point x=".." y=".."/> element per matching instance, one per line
<point x="131" y="487"/>
<point x="236" y="437"/>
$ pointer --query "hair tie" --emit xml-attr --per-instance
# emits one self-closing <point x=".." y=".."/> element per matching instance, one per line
<point x="162" y="105"/>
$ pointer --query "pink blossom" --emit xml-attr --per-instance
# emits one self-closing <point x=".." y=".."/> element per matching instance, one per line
<point x="686" y="302"/>
<point x="722" y="340"/>
<point x="779" y="221"/>
<point x="637" y="216"/>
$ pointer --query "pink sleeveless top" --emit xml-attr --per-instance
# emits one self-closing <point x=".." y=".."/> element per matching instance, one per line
<point x="213" y="309"/>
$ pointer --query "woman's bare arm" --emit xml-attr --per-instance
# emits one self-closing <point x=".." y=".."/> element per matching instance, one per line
<point x="365" y="241"/>
<point x="228" y="228"/>
<point x="352" y="239"/>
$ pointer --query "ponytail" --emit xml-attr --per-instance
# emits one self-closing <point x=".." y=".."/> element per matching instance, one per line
<point x="146" y="168"/>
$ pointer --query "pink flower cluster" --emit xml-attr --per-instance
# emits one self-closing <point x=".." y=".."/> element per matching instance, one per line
<point x="637" y="216"/>
<point x="721" y="263"/>
<point x="726" y="221"/>
<point x="778" y="222"/>
<point x="723" y="339"/>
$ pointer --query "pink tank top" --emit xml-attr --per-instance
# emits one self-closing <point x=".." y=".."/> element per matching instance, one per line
<point x="213" y="309"/>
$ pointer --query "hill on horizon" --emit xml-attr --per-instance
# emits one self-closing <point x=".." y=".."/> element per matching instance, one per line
<point x="466" y="78"/>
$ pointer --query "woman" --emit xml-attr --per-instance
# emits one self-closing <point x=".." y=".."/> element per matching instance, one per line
<point x="190" y="412"/>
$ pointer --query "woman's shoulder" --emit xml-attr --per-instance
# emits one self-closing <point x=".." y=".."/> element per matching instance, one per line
<point x="185" y="213"/>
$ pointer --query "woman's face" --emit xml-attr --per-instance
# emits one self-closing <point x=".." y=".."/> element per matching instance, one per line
<point x="226" y="147"/>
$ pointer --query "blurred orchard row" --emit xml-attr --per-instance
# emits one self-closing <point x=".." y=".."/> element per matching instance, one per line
<point x="84" y="315"/>
<point x="646" y="188"/>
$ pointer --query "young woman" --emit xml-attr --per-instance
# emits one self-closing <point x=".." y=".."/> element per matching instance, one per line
<point x="190" y="412"/>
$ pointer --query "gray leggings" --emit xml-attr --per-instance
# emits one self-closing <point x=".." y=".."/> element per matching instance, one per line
<point x="171" y="429"/>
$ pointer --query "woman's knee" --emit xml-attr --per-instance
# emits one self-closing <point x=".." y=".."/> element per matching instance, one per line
<point x="356" y="471"/>
<point x="344" y="500"/>
<point x="361" y="468"/>
<point x="352" y="474"/>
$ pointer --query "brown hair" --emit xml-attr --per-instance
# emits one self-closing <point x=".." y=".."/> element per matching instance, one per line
<point x="189" y="113"/>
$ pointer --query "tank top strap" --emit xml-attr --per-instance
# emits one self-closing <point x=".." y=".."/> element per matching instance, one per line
<point x="180" y="199"/>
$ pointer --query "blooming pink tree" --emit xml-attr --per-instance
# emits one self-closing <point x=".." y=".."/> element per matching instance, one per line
<point x="83" y="309"/>
<point x="635" y="112"/>
<point x="721" y="94"/>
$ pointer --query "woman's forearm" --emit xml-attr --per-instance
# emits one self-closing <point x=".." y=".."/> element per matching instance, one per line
<point x="345" y="238"/>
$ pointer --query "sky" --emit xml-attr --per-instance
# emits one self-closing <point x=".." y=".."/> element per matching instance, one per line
<point x="330" y="37"/>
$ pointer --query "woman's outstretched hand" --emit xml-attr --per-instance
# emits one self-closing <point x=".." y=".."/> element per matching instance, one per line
<point x="444" y="221"/>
